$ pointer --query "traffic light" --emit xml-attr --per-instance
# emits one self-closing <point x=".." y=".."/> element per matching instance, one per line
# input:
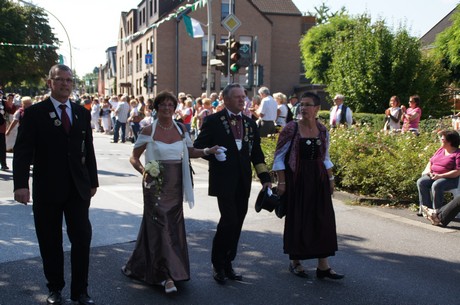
<point x="153" y="80"/>
<point x="249" y="76"/>
<point x="221" y="61"/>
<point x="146" y="80"/>
<point x="234" y="56"/>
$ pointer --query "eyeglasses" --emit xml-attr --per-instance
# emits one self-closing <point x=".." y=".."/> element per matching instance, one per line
<point x="307" y="105"/>
<point x="63" y="80"/>
<point x="164" y="106"/>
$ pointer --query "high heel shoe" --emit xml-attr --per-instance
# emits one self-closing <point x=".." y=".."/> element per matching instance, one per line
<point x="321" y="274"/>
<point x="169" y="286"/>
<point x="297" y="269"/>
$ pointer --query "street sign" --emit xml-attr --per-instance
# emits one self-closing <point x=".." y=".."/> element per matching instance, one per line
<point x="231" y="23"/>
<point x="148" y="59"/>
<point x="245" y="55"/>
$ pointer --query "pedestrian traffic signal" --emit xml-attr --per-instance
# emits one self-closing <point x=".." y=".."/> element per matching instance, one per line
<point x="234" y="56"/>
<point x="221" y="61"/>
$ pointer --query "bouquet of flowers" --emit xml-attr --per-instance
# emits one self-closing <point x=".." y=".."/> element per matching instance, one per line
<point x="153" y="175"/>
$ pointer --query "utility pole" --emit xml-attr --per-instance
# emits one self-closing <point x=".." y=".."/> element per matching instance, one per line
<point x="208" y="59"/>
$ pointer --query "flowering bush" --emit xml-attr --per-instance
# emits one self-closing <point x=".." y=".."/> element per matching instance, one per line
<point x="153" y="175"/>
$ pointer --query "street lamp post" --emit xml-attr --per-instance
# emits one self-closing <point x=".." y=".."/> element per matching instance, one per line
<point x="68" y="38"/>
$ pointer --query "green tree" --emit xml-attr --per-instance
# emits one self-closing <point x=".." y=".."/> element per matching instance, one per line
<point x="368" y="63"/>
<point x="318" y="44"/>
<point x="23" y="25"/>
<point x="447" y="48"/>
<point x="323" y="13"/>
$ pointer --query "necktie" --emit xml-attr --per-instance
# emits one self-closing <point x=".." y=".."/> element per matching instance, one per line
<point x="235" y="123"/>
<point x="65" y="118"/>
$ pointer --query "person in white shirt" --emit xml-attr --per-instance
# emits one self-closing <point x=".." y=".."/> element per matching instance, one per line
<point x="121" y="113"/>
<point x="267" y="112"/>
<point x="283" y="109"/>
<point x="340" y="114"/>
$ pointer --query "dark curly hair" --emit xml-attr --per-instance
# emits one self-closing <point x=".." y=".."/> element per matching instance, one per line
<point x="164" y="96"/>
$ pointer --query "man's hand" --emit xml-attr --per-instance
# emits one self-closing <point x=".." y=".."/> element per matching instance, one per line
<point x="93" y="191"/>
<point x="22" y="195"/>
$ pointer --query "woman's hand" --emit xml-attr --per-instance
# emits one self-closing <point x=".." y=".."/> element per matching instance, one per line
<point x="213" y="150"/>
<point x="332" y="186"/>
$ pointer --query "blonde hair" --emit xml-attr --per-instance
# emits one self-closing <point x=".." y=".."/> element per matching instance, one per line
<point x="26" y="99"/>
<point x="206" y="101"/>
<point x="281" y="96"/>
<point x="133" y="102"/>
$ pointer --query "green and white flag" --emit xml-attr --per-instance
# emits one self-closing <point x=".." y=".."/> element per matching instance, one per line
<point x="193" y="27"/>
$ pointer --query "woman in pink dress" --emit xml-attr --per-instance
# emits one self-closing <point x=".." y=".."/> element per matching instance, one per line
<point x="411" y="115"/>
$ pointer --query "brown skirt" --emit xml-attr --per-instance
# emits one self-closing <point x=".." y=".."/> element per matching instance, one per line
<point x="161" y="247"/>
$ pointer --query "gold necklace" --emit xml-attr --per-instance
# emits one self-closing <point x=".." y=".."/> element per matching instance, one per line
<point x="165" y="128"/>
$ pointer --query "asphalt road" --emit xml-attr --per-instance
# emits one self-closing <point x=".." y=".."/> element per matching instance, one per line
<point x="388" y="256"/>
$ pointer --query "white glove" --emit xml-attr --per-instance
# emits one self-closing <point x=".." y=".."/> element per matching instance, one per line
<point x="221" y="150"/>
<point x="221" y="156"/>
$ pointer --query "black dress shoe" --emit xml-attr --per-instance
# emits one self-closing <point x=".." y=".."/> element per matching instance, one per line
<point x="54" y="297"/>
<point x="84" y="299"/>
<point x="231" y="274"/>
<point x="219" y="275"/>
<point x="321" y="274"/>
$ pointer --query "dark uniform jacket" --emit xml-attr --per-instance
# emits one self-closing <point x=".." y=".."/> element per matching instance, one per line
<point x="225" y="175"/>
<point x="59" y="159"/>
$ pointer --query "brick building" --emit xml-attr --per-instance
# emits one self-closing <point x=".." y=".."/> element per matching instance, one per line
<point x="271" y="28"/>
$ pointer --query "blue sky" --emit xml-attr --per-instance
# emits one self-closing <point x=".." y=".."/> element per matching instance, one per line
<point x="92" y="25"/>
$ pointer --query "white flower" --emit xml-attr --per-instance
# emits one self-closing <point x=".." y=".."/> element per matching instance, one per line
<point x="152" y="168"/>
<point x="153" y="176"/>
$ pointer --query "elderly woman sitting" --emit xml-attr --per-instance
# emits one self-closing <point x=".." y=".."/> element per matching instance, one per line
<point x="441" y="172"/>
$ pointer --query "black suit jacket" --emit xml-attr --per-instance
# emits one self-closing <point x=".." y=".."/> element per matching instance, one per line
<point x="59" y="159"/>
<point x="224" y="176"/>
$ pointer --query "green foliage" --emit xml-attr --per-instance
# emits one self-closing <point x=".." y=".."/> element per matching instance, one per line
<point x="317" y="47"/>
<point x="323" y="13"/>
<point x="24" y="25"/>
<point x="447" y="48"/>
<point x="374" y="164"/>
<point x="369" y="63"/>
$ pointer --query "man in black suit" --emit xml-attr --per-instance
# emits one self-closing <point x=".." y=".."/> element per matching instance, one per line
<point x="230" y="179"/>
<point x="55" y="136"/>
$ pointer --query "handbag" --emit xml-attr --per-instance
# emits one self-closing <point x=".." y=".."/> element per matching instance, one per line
<point x="281" y="209"/>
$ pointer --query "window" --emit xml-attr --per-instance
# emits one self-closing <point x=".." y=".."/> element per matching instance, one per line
<point x="151" y="8"/>
<point x="204" y="49"/>
<point x="203" y="81"/>
<point x="225" y="9"/>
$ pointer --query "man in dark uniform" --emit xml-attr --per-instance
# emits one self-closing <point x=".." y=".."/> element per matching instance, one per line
<point x="56" y="137"/>
<point x="230" y="178"/>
